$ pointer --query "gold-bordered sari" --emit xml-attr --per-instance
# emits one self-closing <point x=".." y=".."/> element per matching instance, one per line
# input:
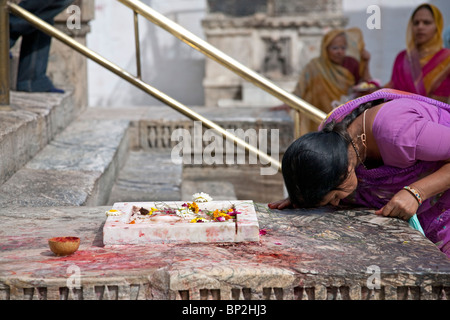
<point x="323" y="81"/>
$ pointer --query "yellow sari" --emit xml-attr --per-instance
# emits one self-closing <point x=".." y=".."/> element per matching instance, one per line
<point x="322" y="81"/>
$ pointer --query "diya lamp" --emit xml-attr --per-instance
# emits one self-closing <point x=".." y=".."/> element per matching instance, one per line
<point x="63" y="246"/>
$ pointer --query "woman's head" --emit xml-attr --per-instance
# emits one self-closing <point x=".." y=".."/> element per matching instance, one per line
<point x="317" y="169"/>
<point x="334" y="45"/>
<point x="316" y="166"/>
<point x="337" y="48"/>
<point x="425" y="27"/>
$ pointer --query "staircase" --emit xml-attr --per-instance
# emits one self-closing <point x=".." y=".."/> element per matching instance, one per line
<point x="148" y="176"/>
<point x="100" y="156"/>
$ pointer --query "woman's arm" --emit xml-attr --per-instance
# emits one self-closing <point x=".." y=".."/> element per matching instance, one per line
<point x="365" y="58"/>
<point x="423" y="139"/>
<point x="404" y="205"/>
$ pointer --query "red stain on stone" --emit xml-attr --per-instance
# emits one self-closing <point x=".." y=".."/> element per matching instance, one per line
<point x="109" y="260"/>
<point x="212" y="233"/>
<point x="18" y="242"/>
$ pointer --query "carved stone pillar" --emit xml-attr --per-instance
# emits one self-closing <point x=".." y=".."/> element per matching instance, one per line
<point x="276" y="38"/>
<point x="68" y="68"/>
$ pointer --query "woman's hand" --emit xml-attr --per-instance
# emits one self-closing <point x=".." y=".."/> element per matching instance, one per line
<point x="403" y="205"/>
<point x="365" y="55"/>
<point x="280" y="204"/>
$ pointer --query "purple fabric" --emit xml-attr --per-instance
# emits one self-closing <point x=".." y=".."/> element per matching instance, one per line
<point x="413" y="135"/>
<point x="407" y="131"/>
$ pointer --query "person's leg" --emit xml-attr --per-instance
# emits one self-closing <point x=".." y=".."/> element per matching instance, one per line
<point x="35" y="46"/>
<point x="34" y="51"/>
<point x="51" y="9"/>
<point x="47" y="10"/>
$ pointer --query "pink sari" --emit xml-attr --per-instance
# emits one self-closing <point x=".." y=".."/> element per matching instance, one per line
<point x="433" y="79"/>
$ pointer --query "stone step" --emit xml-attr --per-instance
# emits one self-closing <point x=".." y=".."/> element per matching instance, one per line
<point x="148" y="175"/>
<point x="152" y="175"/>
<point x="78" y="167"/>
<point x="35" y="120"/>
<point x="152" y="129"/>
<point x="218" y="190"/>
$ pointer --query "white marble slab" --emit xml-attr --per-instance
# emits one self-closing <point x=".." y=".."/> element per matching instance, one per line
<point x="130" y="227"/>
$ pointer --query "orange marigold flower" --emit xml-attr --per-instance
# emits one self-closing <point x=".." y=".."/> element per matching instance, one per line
<point x="194" y="207"/>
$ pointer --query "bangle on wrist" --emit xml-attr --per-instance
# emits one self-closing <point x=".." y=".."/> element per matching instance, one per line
<point x="415" y="193"/>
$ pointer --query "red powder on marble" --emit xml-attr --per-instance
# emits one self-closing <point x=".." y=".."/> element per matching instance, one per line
<point x="64" y="239"/>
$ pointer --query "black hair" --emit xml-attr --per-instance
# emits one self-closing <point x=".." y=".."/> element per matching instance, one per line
<point x="426" y="6"/>
<point x="317" y="162"/>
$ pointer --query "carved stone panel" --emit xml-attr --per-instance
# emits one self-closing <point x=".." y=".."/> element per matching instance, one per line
<point x="275" y="38"/>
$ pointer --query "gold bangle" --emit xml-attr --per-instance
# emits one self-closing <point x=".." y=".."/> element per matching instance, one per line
<point x="415" y="193"/>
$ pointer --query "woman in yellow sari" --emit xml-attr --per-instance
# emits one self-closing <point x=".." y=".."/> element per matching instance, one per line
<point x="424" y="67"/>
<point x="342" y="64"/>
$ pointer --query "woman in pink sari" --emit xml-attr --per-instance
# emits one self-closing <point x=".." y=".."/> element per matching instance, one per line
<point x="389" y="150"/>
<point x="424" y="67"/>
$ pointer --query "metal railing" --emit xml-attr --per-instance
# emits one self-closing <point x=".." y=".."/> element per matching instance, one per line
<point x="178" y="31"/>
<point x="4" y="57"/>
<point x="210" y="51"/>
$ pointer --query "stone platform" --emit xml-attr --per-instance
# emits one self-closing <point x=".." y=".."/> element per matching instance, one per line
<point x="59" y="164"/>
<point x="316" y="254"/>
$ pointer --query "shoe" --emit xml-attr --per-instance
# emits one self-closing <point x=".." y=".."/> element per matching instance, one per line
<point x="55" y="90"/>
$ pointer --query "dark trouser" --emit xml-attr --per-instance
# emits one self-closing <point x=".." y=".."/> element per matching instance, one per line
<point x="35" y="46"/>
